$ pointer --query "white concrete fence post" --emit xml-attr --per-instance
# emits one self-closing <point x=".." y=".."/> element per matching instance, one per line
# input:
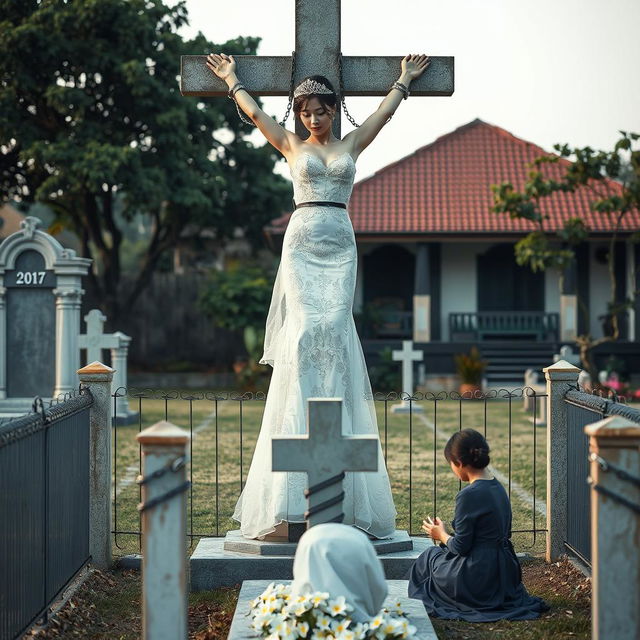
<point x="98" y="378"/>
<point x="164" y="530"/>
<point x="614" y="445"/>
<point x="560" y="377"/>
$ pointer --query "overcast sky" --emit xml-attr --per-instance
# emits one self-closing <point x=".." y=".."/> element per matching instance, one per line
<point x="546" y="70"/>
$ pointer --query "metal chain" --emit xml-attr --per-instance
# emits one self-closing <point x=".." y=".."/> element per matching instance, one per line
<point x="342" y="100"/>
<point x="289" y="103"/>
<point x="605" y="465"/>
<point x="616" y="497"/>
<point x="173" y="466"/>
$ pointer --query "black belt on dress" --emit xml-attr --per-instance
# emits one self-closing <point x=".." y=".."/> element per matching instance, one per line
<point x="319" y="203"/>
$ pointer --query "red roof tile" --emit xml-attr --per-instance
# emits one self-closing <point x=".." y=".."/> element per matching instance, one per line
<point x="445" y="187"/>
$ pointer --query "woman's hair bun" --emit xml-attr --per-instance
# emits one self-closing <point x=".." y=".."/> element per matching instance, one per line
<point x="468" y="447"/>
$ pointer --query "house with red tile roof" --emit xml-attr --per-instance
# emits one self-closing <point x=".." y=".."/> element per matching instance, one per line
<point x="436" y="265"/>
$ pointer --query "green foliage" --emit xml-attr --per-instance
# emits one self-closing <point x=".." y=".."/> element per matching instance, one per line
<point x="470" y="367"/>
<point x="92" y="123"/>
<point x="238" y="299"/>
<point x="588" y="169"/>
<point x="593" y="172"/>
<point x="385" y="375"/>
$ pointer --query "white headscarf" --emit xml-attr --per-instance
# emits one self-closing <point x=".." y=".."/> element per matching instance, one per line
<point x="340" y="560"/>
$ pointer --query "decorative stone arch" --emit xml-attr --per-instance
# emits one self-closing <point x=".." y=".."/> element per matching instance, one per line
<point x="68" y="270"/>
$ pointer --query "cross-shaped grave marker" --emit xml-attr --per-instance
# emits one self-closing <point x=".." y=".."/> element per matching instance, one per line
<point x="407" y="356"/>
<point x="95" y="340"/>
<point x="317" y="51"/>
<point x="324" y="454"/>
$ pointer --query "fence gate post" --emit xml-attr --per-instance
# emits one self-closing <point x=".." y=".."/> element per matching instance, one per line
<point x="97" y="377"/>
<point x="614" y="445"/>
<point x="560" y="377"/>
<point x="164" y="531"/>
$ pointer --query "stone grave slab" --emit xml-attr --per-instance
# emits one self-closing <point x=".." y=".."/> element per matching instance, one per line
<point x="235" y="541"/>
<point x="212" y="566"/>
<point x="240" y="629"/>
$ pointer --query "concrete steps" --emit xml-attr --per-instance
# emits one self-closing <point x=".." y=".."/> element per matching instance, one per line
<point x="508" y="362"/>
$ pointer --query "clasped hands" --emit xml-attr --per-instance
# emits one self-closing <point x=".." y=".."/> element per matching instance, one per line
<point x="435" y="529"/>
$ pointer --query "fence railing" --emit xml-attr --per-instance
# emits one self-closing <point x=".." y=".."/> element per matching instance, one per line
<point x="224" y="429"/>
<point x="44" y="508"/>
<point x="583" y="409"/>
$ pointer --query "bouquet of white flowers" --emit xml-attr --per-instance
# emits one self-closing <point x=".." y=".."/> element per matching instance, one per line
<point x="315" y="616"/>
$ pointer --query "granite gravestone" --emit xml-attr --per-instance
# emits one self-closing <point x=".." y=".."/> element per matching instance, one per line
<point x="324" y="454"/>
<point x="40" y="296"/>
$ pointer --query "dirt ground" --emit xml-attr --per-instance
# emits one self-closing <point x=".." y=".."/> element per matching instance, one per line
<point x="107" y="606"/>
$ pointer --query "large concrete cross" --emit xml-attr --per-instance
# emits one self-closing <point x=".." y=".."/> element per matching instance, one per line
<point x="407" y="356"/>
<point x="324" y="454"/>
<point x="317" y="49"/>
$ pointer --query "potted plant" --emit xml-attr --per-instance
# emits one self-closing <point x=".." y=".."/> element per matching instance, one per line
<point x="470" y="367"/>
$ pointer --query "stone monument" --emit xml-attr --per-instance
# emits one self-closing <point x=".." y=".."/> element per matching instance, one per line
<point x="40" y="296"/>
<point x="94" y="341"/>
<point x="407" y="356"/>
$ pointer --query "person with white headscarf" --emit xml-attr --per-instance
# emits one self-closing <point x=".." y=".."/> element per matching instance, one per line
<point x="340" y="559"/>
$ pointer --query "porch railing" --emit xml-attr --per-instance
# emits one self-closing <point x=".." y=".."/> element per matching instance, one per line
<point x="44" y="508"/>
<point x="486" y="324"/>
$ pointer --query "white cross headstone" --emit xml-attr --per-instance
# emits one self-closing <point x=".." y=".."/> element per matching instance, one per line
<point x="569" y="355"/>
<point x="408" y="355"/>
<point x="317" y="51"/>
<point x="94" y="341"/>
<point x="324" y="454"/>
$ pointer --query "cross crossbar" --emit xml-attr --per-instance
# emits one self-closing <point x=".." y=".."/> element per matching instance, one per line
<point x="269" y="76"/>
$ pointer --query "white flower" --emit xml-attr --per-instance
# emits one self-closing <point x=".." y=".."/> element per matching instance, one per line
<point x="339" y="606"/>
<point x="319" y="597"/>
<point x="290" y="631"/>
<point x="346" y="635"/>
<point x="390" y="627"/>
<point x="300" y="608"/>
<point x="277" y="624"/>
<point x="375" y="622"/>
<point x="317" y="635"/>
<point x="261" y="621"/>
<point x="410" y="632"/>
<point x="360" y="630"/>
<point x="303" y="629"/>
<point x="340" y="626"/>
<point x="323" y="623"/>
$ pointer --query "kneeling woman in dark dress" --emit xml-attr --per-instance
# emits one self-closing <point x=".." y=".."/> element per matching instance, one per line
<point x="473" y="574"/>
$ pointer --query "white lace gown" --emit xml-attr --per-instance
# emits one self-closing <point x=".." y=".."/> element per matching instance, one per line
<point x="312" y="345"/>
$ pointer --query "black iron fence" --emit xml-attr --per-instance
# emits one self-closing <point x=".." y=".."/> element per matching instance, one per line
<point x="44" y="508"/>
<point x="224" y="429"/>
<point x="583" y="409"/>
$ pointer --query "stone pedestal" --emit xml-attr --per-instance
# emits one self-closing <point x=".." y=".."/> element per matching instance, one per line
<point x="213" y="566"/>
<point x="560" y="377"/>
<point x="614" y="445"/>
<point x="414" y="610"/>
<point x="235" y="541"/>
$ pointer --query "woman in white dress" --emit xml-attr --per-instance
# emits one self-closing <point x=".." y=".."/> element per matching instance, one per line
<point x="311" y="340"/>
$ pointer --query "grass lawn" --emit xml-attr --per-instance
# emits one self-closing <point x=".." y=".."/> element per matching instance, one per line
<point x="107" y="607"/>
<point x="221" y="454"/>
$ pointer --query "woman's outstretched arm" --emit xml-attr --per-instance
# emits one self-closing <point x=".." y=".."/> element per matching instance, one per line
<point x="412" y="67"/>
<point x="224" y="67"/>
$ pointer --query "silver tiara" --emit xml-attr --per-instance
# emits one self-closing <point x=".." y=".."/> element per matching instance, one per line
<point x="309" y="87"/>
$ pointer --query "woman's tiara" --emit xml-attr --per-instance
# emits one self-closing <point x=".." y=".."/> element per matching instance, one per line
<point x="309" y="87"/>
